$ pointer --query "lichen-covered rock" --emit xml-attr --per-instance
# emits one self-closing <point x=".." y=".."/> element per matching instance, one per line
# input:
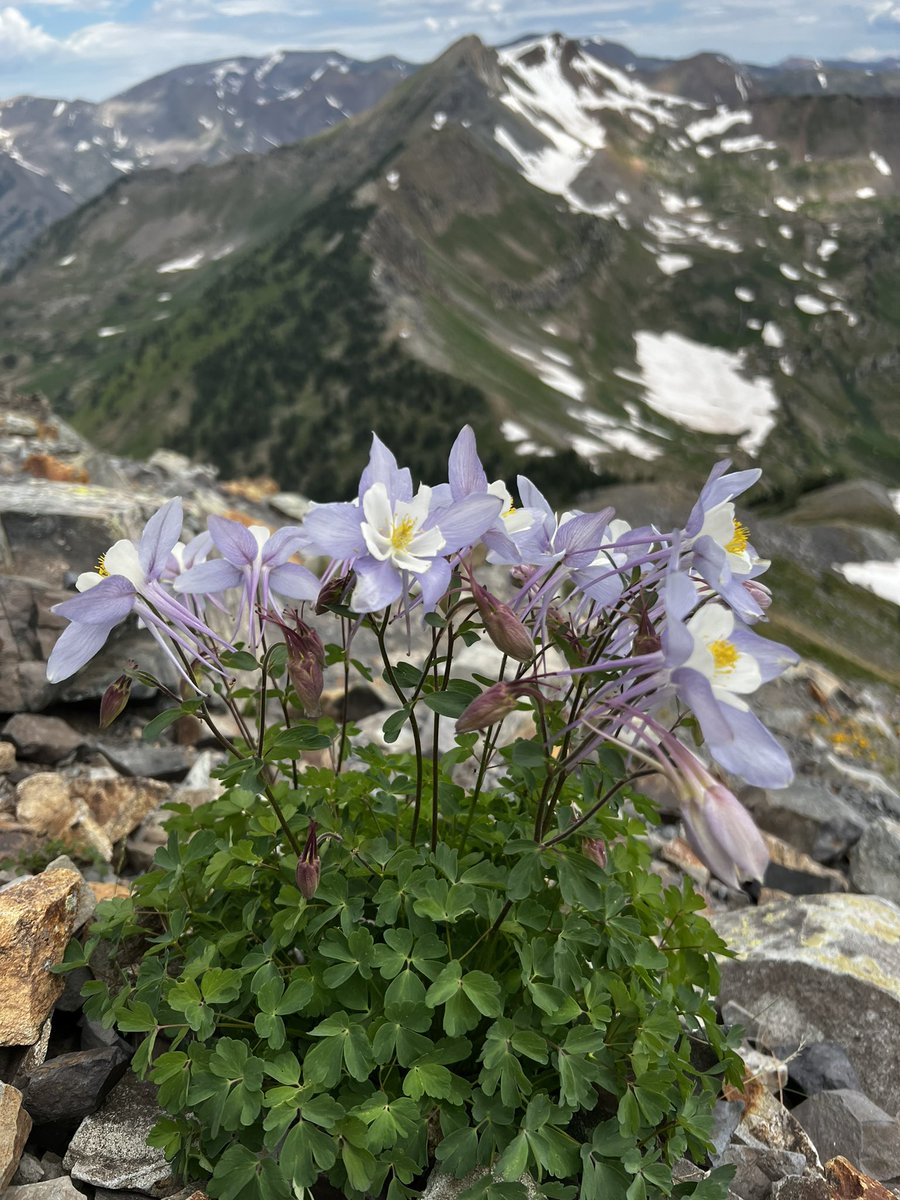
<point x="109" y="1149"/>
<point x="822" y="968"/>
<point x="846" y="1122"/>
<point x="36" y="920"/>
<point x="848" y="1182"/>
<point x="875" y="860"/>
<point x="45" y="805"/>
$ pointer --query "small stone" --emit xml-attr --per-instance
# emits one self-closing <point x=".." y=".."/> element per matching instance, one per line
<point x="7" y="757"/>
<point x="15" y="1126"/>
<point x="36" y="919"/>
<point x="44" y="805"/>
<point x="29" y="1170"/>
<point x="102" y="890"/>
<point x="874" y="860"/>
<point x="61" y="1188"/>
<point x="109" y="1149"/>
<point x="848" y="1124"/>
<point x="822" y="1067"/>
<point x="768" y="1124"/>
<point x="796" y="873"/>
<point x="69" y="1087"/>
<point x="41" y="739"/>
<point x="110" y="808"/>
<point x="847" y="1182"/>
<point x="51" y="1164"/>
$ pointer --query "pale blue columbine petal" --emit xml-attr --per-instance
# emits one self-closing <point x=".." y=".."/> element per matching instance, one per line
<point x="463" y="523"/>
<point x="234" y="540"/>
<point x="532" y="498"/>
<point x="160" y="534"/>
<point x="282" y="544"/>
<point x="734" y="736"/>
<point x="294" y="581"/>
<point x="109" y="602"/>
<point x="209" y="578"/>
<point x="581" y="537"/>
<point x="378" y="585"/>
<point x="76" y="645"/>
<point x="723" y="835"/>
<point x="465" y="472"/>
<point x="710" y="561"/>
<point x="434" y="583"/>
<point x="382" y="468"/>
<point x="335" y="530"/>
<point x="772" y="658"/>
<point x="719" y="489"/>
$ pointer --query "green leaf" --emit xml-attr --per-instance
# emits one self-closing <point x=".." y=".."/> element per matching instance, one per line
<point x="138" y="1017"/>
<point x="446" y="985"/>
<point x="629" y="1115"/>
<point x="359" y="1165"/>
<point x="428" y="1079"/>
<point x="453" y="701"/>
<point x="484" y="992"/>
<point x="220" y="986"/>
<point x="393" y="726"/>
<point x="239" y="660"/>
<point x="458" y="1152"/>
<point x="160" y="723"/>
<point x="514" y="1158"/>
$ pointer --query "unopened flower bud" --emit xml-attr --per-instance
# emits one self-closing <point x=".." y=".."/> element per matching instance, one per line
<point x="114" y="699"/>
<point x="723" y="835"/>
<point x="497" y="702"/>
<point x="504" y="628"/>
<point x="305" y="661"/>
<point x="760" y="593"/>
<point x="647" y="639"/>
<point x="309" y="865"/>
<point x="595" y="850"/>
<point x="331" y="593"/>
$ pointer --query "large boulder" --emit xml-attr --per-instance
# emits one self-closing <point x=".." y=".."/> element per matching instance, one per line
<point x="822" y="968"/>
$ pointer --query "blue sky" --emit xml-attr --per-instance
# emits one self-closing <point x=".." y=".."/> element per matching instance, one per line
<point x="95" y="48"/>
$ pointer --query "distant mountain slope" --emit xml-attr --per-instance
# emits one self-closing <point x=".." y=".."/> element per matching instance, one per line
<point x="622" y="281"/>
<point x="203" y="113"/>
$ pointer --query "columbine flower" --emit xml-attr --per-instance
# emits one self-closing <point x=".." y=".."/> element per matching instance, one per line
<point x="714" y="660"/>
<point x="254" y="560"/>
<point x="393" y="538"/>
<point x="468" y="478"/>
<point x="722" y="554"/>
<point x="126" y="581"/>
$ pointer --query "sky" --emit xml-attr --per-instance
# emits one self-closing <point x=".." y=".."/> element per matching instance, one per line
<point x="93" y="49"/>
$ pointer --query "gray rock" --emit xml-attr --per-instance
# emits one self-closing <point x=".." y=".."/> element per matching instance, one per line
<point x="46" y="740"/>
<point x="822" y="968"/>
<point x="801" y="1187"/>
<point x="51" y="1165"/>
<point x="87" y="901"/>
<point x="69" y="1087"/>
<point x="846" y="1122"/>
<point x="29" y="1170"/>
<point x="757" y="1168"/>
<point x="875" y="860"/>
<point x="727" y="1116"/>
<point x="49" y="1189"/>
<point x="151" y="762"/>
<point x="809" y="816"/>
<point x="109" y="1149"/>
<point x="821" y="1067"/>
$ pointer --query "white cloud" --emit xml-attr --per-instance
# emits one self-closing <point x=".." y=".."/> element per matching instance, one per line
<point x="20" y="39"/>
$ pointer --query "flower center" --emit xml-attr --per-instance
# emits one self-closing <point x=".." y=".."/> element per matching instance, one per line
<point x="739" y="540"/>
<point x="402" y="533"/>
<point x="724" y="654"/>
<point x="101" y="567"/>
<point x="509" y="511"/>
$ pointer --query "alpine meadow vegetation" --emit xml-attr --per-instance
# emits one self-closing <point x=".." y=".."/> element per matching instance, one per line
<point x="369" y="958"/>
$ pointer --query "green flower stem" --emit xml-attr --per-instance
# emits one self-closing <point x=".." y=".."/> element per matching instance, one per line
<point x="594" y="809"/>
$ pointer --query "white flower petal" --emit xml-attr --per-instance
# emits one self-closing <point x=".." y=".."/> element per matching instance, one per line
<point x="122" y="559"/>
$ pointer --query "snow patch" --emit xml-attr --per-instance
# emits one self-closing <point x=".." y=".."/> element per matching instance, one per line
<point x="826" y="249"/>
<point x="671" y="264"/>
<point x="788" y="205"/>
<point x="746" y="294"/>
<point x="811" y="305"/>
<point x="110" y="331"/>
<point x="743" y="145"/>
<point x="60" y="108"/>
<point x="553" y="374"/>
<point x="786" y="232"/>
<point x="882" y="578"/>
<point x="701" y="387"/>
<point x="67" y="261"/>
<point x="392" y="179"/>
<point x="438" y="121"/>
<point x="187" y="263"/>
<point x="865" y="193"/>
<point x="789" y="272"/>
<point x="772" y="335"/>
<point x="706" y="127"/>
<point x="879" y="163"/>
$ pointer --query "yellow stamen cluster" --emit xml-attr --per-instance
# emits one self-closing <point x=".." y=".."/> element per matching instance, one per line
<point x="724" y="654"/>
<point x="739" y="540"/>
<point x="402" y="533"/>
<point x="509" y="511"/>
<point x="101" y="567"/>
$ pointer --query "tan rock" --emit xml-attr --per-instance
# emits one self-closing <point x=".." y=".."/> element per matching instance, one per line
<point x="44" y="804"/>
<point x="849" y="1183"/>
<point x="15" y="1126"/>
<point x="36" y="920"/>
<point x="7" y="757"/>
<point x="108" y="891"/>
<point x="110" y="808"/>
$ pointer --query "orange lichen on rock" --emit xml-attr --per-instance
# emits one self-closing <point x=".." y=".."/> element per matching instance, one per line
<point x="45" y="466"/>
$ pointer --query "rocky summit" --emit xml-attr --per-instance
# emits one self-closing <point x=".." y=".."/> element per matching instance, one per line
<point x="814" y="981"/>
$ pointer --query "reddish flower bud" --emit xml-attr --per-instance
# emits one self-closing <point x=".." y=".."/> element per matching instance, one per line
<point x="504" y="628"/>
<point x="647" y="639"/>
<point x="306" y="659"/>
<point x="497" y="702"/>
<point x="309" y="865"/>
<point x="595" y="850"/>
<point x="332" y="593"/>
<point x="114" y="699"/>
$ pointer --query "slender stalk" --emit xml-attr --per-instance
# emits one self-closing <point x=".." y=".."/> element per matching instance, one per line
<point x="413" y="724"/>
<point x="593" y="810"/>
<point x="345" y="698"/>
